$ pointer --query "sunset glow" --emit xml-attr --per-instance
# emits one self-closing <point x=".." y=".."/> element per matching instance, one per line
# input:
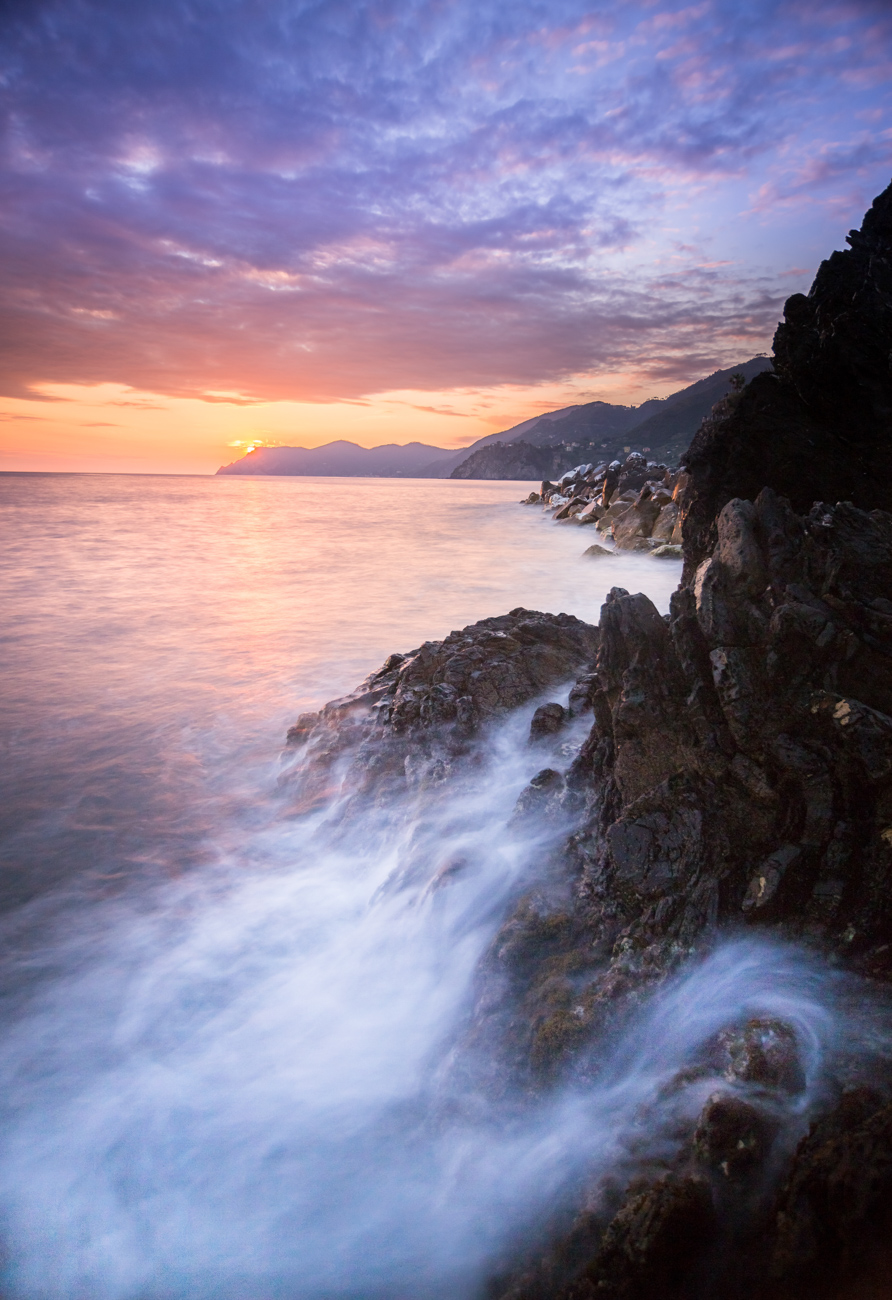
<point x="392" y="222"/>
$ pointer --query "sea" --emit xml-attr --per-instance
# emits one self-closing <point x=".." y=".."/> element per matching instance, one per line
<point x="226" y="1033"/>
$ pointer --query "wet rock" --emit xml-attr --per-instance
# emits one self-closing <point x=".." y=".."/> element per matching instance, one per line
<point x="611" y="483"/>
<point x="667" y="552"/>
<point x="547" y="721"/>
<point x="629" y="527"/>
<point x="763" y="889"/>
<point x="732" y="1136"/>
<point x="652" y="1245"/>
<point x="596" y="552"/>
<point x="634" y="473"/>
<point x="416" y="714"/>
<point x="573" y="506"/>
<point x="582" y="694"/>
<point x="644" y="545"/>
<point x="838" y="1197"/>
<point x="611" y="515"/>
<point x="765" y="1052"/>
<point x="542" y="799"/>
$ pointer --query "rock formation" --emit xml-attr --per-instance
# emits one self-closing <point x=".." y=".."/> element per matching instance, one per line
<point x="635" y="503"/>
<point x="408" y="722"/>
<point x="739" y="772"/>
<point x="598" y="431"/>
<point x="820" y="427"/>
<point x="737" y="775"/>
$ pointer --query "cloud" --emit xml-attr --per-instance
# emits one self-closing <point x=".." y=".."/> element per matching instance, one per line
<point x="241" y="203"/>
<point x="816" y="178"/>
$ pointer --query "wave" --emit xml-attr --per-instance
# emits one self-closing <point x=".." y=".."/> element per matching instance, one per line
<point x="240" y="1086"/>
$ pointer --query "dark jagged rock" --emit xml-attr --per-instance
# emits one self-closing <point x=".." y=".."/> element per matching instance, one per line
<point x="408" y="721"/>
<point x="764" y="1052"/>
<point x="732" y="1136"/>
<point x="739" y="773"/>
<point x="837" y="1200"/>
<point x="652" y="1245"/>
<point x="820" y="427"/>
<point x="547" y="721"/>
<point x="739" y="769"/>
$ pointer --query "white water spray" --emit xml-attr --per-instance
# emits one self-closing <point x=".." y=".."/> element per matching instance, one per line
<point x="227" y="1093"/>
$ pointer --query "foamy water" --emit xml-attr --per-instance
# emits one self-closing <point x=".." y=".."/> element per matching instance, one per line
<point x="225" y="1065"/>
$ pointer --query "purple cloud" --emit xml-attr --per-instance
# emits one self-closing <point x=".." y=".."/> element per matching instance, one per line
<point x="326" y="200"/>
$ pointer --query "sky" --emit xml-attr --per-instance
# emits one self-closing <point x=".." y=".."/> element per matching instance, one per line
<point x="234" y="222"/>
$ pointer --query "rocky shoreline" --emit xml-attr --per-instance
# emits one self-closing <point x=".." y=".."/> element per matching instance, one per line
<point x="736" y="778"/>
<point x="632" y="503"/>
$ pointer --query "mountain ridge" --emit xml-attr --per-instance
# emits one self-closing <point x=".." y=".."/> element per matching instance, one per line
<point x="664" y="425"/>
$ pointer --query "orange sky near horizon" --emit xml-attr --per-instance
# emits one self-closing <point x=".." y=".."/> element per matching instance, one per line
<point x="228" y="225"/>
<point x="109" y="428"/>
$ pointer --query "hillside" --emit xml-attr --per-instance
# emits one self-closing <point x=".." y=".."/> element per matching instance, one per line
<point x="661" y="428"/>
<point x="341" y="458"/>
<point x="598" y="431"/>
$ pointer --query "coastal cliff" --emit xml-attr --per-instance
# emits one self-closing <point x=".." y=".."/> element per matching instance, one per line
<point x="736" y="777"/>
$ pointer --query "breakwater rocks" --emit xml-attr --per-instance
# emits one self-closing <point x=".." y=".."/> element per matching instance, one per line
<point x="632" y="503"/>
<point x="736" y="777"/>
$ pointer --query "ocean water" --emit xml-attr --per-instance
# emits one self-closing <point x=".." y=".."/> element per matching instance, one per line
<point x="224" y="1067"/>
<point x="159" y="634"/>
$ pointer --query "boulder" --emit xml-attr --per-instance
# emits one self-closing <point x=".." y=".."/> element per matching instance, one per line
<point x="597" y="552"/>
<point x="733" y="1137"/>
<point x="547" y="721"/>
<point x="591" y="513"/>
<point x="611" y="483"/>
<point x="573" y="506"/>
<point x="611" y="515"/>
<point x="765" y="1051"/>
<point x="664" y="525"/>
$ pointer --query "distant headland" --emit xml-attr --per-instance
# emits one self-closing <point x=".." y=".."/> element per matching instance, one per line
<point x="542" y="446"/>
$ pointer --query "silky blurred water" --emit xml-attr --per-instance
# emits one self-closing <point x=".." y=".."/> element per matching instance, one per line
<point x="229" y="1036"/>
<point x="159" y="634"/>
